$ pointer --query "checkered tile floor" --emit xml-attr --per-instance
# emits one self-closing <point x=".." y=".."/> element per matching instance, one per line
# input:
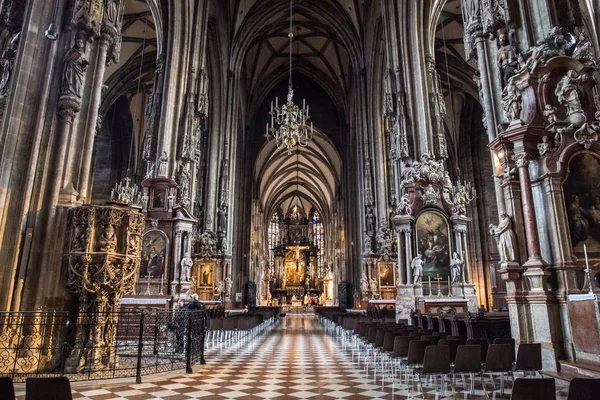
<point x="296" y="360"/>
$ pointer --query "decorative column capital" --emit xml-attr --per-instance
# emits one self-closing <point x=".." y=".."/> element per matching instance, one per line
<point x="521" y="159"/>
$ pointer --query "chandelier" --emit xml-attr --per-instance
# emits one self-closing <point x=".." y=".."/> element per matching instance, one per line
<point x="289" y="123"/>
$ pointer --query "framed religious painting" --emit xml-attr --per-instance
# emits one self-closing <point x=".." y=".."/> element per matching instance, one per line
<point x="387" y="275"/>
<point x="154" y="254"/>
<point x="582" y="200"/>
<point x="432" y="235"/>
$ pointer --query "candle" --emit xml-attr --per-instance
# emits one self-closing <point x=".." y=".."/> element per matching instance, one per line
<point x="587" y="266"/>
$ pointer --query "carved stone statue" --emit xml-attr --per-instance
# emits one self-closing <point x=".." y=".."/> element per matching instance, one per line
<point x="228" y="286"/>
<point x="506" y="57"/>
<point x="108" y="239"/>
<point x="545" y="147"/>
<point x="186" y="264"/>
<point x="6" y="64"/>
<point x="364" y="285"/>
<point x="505" y="237"/>
<point x="74" y="69"/>
<point x="511" y="102"/>
<point x="374" y="286"/>
<point x="219" y="288"/>
<point x="162" y="164"/>
<point x="403" y="207"/>
<point x="550" y="114"/>
<point x="567" y="94"/>
<point x="417" y="269"/>
<point x="222" y="221"/>
<point x="370" y="222"/>
<point x="183" y="180"/>
<point x="456" y="266"/>
<point x="208" y="245"/>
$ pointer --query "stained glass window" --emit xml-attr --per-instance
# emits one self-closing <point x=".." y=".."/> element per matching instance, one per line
<point x="318" y="240"/>
<point x="274" y="239"/>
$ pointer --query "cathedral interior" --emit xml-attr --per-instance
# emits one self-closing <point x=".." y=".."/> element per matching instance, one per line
<point x="299" y="165"/>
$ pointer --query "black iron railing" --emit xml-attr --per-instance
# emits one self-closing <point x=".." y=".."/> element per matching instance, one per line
<point x="122" y="344"/>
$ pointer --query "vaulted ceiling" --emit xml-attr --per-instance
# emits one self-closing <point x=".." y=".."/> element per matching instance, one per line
<point x="308" y="177"/>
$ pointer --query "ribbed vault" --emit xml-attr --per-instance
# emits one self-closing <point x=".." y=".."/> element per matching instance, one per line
<point x="310" y="176"/>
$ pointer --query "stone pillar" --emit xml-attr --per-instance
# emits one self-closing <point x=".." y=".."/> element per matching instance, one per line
<point x="534" y="257"/>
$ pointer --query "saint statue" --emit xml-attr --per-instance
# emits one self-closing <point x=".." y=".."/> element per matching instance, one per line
<point x="511" y="102"/>
<point x="370" y="222"/>
<point x="567" y="94"/>
<point x="364" y="285"/>
<point x="374" y="286"/>
<point x="75" y="67"/>
<point x="108" y="240"/>
<point x="222" y="220"/>
<point x="505" y="237"/>
<point x="506" y="57"/>
<point x="186" y="264"/>
<point x="456" y="265"/>
<point x="417" y="268"/>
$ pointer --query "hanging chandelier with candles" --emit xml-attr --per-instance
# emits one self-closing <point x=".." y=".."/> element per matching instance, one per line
<point x="289" y="123"/>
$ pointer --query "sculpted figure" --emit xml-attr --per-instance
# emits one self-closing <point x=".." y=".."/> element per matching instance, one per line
<point x="511" y="102"/>
<point x="74" y="69"/>
<point x="545" y="147"/>
<point x="506" y="56"/>
<point x="108" y="240"/>
<point x="456" y="265"/>
<point x="567" y="94"/>
<point x="505" y="237"/>
<point x="370" y="222"/>
<point x="417" y="269"/>
<point x="186" y="264"/>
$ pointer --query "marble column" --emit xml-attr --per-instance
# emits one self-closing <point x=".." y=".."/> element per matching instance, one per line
<point x="533" y="243"/>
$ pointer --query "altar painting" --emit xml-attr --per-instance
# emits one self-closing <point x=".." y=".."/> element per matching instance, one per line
<point x="582" y="199"/>
<point x="433" y="243"/>
<point x="387" y="276"/>
<point x="295" y="265"/>
<point x="203" y="274"/>
<point x="154" y="254"/>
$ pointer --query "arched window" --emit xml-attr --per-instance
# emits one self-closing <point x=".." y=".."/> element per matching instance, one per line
<point x="274" y="234"/>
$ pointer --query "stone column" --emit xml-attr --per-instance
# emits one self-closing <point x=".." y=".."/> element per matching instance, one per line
<point x="534" y="257"/>
<point x="90" y="126"/>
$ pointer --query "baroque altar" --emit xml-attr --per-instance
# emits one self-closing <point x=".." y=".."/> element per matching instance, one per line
<point x="430" y="222"/>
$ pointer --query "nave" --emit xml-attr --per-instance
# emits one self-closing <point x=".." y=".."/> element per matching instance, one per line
<point x="300" y="356"/>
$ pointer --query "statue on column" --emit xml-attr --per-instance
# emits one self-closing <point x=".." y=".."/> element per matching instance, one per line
<point x="370" y="222"/>
<point x="74" y="69"/>
<point x="506" y="57"/>
<point x="183" y="180"/>
<point x="505" y="238"/>
<point x="374" y="286"/>
<point x="186" y="265"/>
<point x="417" y="269"/>
<point x="456" y="265"/>
<point x="222" y="221"/>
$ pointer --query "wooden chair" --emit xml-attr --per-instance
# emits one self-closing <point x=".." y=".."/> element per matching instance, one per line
<point x="48" y="389"/>
<point x="534" y="389"/>
<point x="436" y="362"/>
<point x="529" y="358"/>
<point x="584" y="389"/>
<point x="7" y="390"/>
<point x="499" y="360"/>
<point x="468" y="361"/>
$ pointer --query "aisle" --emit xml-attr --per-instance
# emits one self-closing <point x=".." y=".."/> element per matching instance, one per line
<point x="295" y="360"/>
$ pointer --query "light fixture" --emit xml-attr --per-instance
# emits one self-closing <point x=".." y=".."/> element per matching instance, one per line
<point x="289" y="123"/>
<point x="52" y="31"/>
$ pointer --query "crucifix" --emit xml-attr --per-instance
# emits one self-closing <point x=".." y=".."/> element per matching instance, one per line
<point x="438" y="278"/>
<point x="148" y="286"/>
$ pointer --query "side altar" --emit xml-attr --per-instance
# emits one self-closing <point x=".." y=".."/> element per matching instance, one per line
<point x="431" y="225"/>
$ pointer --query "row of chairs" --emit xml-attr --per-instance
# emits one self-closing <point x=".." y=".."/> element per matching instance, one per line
<point x="395" y="349"/>
<point x="236" y="327"/>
